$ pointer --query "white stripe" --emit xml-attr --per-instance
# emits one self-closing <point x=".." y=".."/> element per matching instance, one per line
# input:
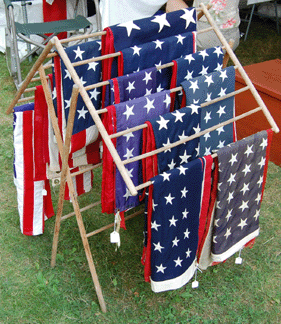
<point x="87" y="183"/>
<point x="38" y="217"/>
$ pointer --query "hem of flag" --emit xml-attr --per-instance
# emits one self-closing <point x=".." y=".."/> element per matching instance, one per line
<point x="175" y="283"/>
<point x="236" y="247"/>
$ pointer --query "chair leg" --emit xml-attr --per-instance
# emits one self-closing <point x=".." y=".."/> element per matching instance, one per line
<point x="249" y="23"/>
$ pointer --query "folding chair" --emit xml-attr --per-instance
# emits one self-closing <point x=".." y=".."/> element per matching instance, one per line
<point x="16" y="31"/>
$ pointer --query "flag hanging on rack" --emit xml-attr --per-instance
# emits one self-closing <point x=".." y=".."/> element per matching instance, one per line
<point x="173" y="211"/>
<point x="134" y="33"/>
<point x="84" y="131"/>
<point x="194" y="65"/>
<point x="156" y="54"/>
<point x="165" y="130"/>
<point x="203" y="89"/>
<point x="33" y="197"/>
<point x="131" y="86"/>
<point x="115" y="194"/>
<point x="242" y="177"/>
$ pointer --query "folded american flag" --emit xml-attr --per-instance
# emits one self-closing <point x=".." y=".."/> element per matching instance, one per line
<point x="241" y="181"/>
<point x="33" y="197"/>
<point x="203" y="89"/>
<point x="174" y="207"/>
<point x="84" y="130"/>
<point x="134" y="33"/>
<point x="194" y="65"/>
<point x="167" y="129"/>
<point x="115" y="194"/>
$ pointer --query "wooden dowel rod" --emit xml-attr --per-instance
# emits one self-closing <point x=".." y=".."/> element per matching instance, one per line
<point x="26" y="99"/>
<point x="30" y="75"/>
<point x="112" y="224"/>
<point x="29" y="89"/>
<point x="81" y="210"/>
<point x="81" y="37"/>
<point x="95" y="59"/>
<point x="241" y="70"/>
<point x="39" y="79"/>
<point x="51" y="55"/>
<point x="96" y="85"/>
<point x="96" y="118"/>
<point x="189" y="138"/>
<point x="47" y="66"/>
<point x="83" y="170"/>
<point x="201" y="13"/>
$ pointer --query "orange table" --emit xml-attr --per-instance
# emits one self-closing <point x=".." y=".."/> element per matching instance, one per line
<point x="266" y="77"/>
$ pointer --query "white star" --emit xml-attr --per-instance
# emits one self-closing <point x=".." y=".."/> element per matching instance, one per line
<point x="233" y="159"/>
<point x="228" y="232"/>
<point x="128" y="135"/>
<point x="246" y="169"/>
<point x="184" y="158"/>
<point x="162" y="21"/>
<point x="204" y="71"/>
<point x="128" y="112"/>
<point x="129" y="153"/>
<point x="183" y="136"/>
<point x="220" y="130"/>
<point x="196" y="129"/>
<point x="258" y="199"/>
<point x="208" y="97"/>
<point x="92" y="65"/>
<point x="129" y="25"/>
<point x="188" y="253"/>
<point x="194" y="85"/>
<point x="184" y="192"/>
<point x="158" y="247"/>
<point x="219" y="67"/>
<point x="94" y="94"/>
<point x="159" y="88"/>
<point x="209" y="80"/>
<point x="182" y="169"/>
<point x="188" y="17"/>
<point x="218" y="51"/>
<point x="175" y="242"/>
<point x="222" y="92"/>
<point x="214" y="239"/>
<point x="207" y="116"/>
<point x="188" y="75"/>
<point x="158" y="43"/>
<point x="54" y="93"/>
<point x="172" y="165"/>
<point x="82" y="81"/>
<point x="264" y="143"/>
<point x="82" y="113"/>
<point x="157" y="65"/>
<point x="206" y="136"/>
<point x="221" y="110"/>
<point x="186" y="233"/>
<point x="223" y="75"/>
<point x="229" y="214"/>
<point x="197" y="149"/>
<point x="148" y="92"/>
<point x="169" y="199"/>
<point x="216" y="222"/>
<point x="184" y="214"/>
<point x="167" y="144"/>
<point x="67" y="103"/>
<point x="244" y="205"/>
<point x="257" y="214"/>
<point x="260" y="181"/>
<point x="78" y="53"/>
<point x="262" y="162"/>
<point x="131" y="86"/>
<point x="194" y="107"/>
<point x="149" y="105"/>
<point x="127" y="194"/>
<point x="245" y="188"/>
<point x="180" y="39"/>
<point x="161" y="268"/>
<point x="136" y="50"/>
<point x="166" y="176"/>
<point x="243" y="223"/>
<point x="189" y="58"/>
<point x="154" y="205"/>
<point x="147" y="77"/>
<point x="231" y="178"/>
<point x="173" y="221"/>
<point x="162" y="123"/>
<point x="67" y="74"/>
<point x="167" y="100"/>
<point x="130" y="172"/>
<point x="249" y="150"/>
<point x="221" y="144"/>
<point x="203" y="54"/>
<point x="178" y="115"/>
<point x="207" y="150"/>
<point x="178" y="262"/>
<point x="230" y="196"/>
<point x="155" y="226"/>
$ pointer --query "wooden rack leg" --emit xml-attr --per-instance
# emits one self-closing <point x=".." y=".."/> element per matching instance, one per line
<point x="72" y="196"/>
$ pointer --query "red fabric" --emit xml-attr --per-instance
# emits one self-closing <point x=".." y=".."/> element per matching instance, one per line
<point x="47" y="201"/>
<point x="121" y="64"/>
<point x="116" y="91"/>
<point x="173" y="84"/>
<point x="269" y="141"/>
<point x="122" y="223"/>
<point x="56" y="11"/>
<point x="108" y="170"/>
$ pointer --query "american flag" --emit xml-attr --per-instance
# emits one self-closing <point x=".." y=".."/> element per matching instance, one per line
<point x="84" y="131"/>
<point x="115" y="194"/>
<point x="242" y="176"/>
<point x="194" y="65"/>
<point x="203" y="89"/>
<point x="131" y="86"/>
<point x="137" y="32"/>
<point x="173" y="212"/>
<point x="33" y="197"/>
<point x="167" y="129"/>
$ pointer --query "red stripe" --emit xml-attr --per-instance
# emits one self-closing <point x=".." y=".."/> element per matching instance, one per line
<point x="121" y="64"/>
<point x="173" y="84"/>
<point x="28" y="187"/>
<point x="269" y="141"/>
<point x="80" y="184"/>
<point x="47" y="200"/>
<point x="116" y="91"/>
<point x="78" y="141"/>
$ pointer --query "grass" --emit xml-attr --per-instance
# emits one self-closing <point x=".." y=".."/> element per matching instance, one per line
<point x="32" y="292"/>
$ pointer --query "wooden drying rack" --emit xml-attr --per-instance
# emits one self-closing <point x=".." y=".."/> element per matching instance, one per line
<point x="63" y="146"/>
